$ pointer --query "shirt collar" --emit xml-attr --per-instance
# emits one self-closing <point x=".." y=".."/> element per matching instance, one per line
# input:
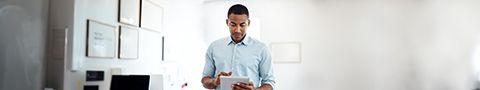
<point x="245" y="41"/>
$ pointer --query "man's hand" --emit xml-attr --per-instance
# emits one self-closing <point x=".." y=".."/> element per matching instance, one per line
<point x="211" y="83"/>
<point x="249" y="86"/>
<point x="243" y="86"/>
<point x="217" y="79"/>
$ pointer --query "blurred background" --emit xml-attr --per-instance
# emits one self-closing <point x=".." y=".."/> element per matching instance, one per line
<point x="345" y="44"/>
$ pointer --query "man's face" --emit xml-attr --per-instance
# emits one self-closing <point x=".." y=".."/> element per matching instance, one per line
<point x="237" y="24"/>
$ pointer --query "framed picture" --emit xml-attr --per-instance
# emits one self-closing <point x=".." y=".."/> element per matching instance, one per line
<point x="152" y="16"/>
<point x="128" y="43"/>
<point x="286" y="52"/>
<point x="163" y="48"/>
<point x="129" y="12"/>
<point x="100" y="39"/>
<point x="151" y="44"/>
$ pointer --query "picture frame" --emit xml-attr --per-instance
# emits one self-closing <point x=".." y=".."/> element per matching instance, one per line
<point x="286" y="52"/>
<point x="154" y="41"/>
<point x="129" y="12"/>
<point x="128" y="43"/>
<point x="100" y="39"/>
<point x="151" y="16"/>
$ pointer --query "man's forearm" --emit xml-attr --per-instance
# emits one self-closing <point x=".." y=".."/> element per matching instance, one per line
<point x="265" y="87"/>
<point x="208" y="83"/>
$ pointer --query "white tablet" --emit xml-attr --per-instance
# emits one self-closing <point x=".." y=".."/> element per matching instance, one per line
<point x="226" y="82"/>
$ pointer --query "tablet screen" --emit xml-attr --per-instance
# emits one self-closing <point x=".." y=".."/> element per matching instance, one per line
<point x="226" y="82"/>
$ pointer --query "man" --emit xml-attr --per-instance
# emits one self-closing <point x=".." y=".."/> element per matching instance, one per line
<point x="238" y="55"/>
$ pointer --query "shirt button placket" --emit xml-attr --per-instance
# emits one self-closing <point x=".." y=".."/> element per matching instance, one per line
<point x="232" y="62"/>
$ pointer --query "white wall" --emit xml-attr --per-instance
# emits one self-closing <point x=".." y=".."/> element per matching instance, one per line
<point x="184" y="40"/>
<point x="366" y="44"/>
<point x="23" y="36"/>
<point x="372" y="44"/>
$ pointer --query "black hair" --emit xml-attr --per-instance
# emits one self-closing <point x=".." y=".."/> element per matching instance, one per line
<point x="238" y="9"/>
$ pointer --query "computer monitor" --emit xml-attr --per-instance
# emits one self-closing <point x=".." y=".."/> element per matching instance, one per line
<point x="130" y="82"/>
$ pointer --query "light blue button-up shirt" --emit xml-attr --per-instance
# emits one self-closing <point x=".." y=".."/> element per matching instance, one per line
<point x="249" y="58"/>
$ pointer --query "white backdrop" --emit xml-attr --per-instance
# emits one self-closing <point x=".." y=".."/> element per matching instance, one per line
<point x="367" y="44"/>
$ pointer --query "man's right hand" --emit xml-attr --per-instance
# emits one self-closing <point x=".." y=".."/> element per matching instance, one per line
<point x="217" y="79"/>
<point x="211" y="83"/>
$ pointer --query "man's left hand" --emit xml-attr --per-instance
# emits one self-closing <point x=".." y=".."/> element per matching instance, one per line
<point x="243" y="86"/>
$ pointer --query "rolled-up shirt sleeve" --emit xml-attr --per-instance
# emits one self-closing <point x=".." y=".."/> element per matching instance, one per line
<point x="266" y="69"/>
<point x="209" y="68"/>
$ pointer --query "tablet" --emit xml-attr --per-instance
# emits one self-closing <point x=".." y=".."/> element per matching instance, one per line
<point x="226" y="82"/>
